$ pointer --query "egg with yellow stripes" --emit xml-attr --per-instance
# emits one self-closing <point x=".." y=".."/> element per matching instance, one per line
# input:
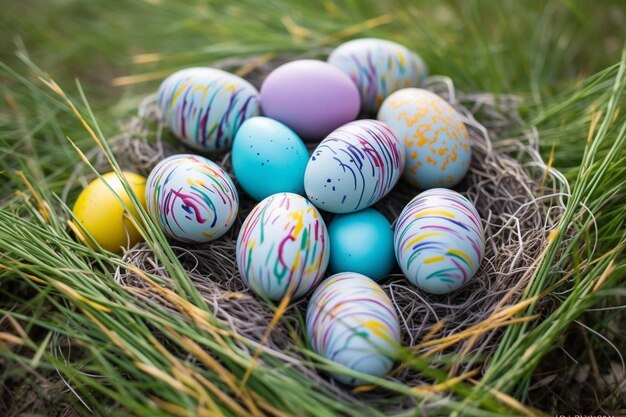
<point x="282" y="247"/>
<point x="439" y="241"/>
<point x="352" y="322"/>
<point x="191" y="198"/>
<point x="204" y="107"/>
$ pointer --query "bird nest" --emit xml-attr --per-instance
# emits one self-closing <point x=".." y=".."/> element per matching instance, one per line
<point x="515" y="192"/>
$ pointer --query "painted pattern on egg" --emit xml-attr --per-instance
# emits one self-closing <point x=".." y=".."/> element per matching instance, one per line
<point x="354" y="167"/>
<point x="378" y="67"/>
<point x="282" y="247"/>
<point x="351" y="321"/>
<point x="192" y="198"/>
<point x="204" y="107"/>
<point x="439" y="240"/>
<point x="438" y="151"/>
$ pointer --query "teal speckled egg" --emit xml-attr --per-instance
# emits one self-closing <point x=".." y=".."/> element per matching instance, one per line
<point x="268" y="158"/>
<point x="361" y="242"/>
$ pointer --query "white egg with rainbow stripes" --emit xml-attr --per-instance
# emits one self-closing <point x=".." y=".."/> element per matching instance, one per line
<point x="439" y="241"/>
<point x="351" y="321"/>
<point x="282" y="247"/>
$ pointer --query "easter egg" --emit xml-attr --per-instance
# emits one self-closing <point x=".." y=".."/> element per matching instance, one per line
<point x="192" y="198"/>
<point x="282" y="247"/>
<point x="311" y="97"/>
<point x="378" y="67"/>
<point x="354" y="167"/>
<point x="439" y="241"/>
<point x="351" y="321"/>
<point x="268" y="158"/>
<point x="361" y="242"/>
<point x="438" y="151"/>
<point x="101" y="214"/>
<point x="204" y="107"/>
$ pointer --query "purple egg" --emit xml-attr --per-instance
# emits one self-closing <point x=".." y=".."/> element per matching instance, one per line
<point x="311" y="97"/>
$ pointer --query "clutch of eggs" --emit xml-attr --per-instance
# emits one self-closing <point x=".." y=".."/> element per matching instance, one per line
<point x="351" y="321"/>
<point x="354" y="167"/>
<point x="282" y="247"/>
<point x="204" y="107"/>
<point x="438" y="151"/>
<point x="378" y="67"/>
<point x="439" y="240"/>
<point x="192" y="198"/>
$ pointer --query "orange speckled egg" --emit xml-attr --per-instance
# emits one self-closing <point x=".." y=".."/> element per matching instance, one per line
<point x="438" y="151"/>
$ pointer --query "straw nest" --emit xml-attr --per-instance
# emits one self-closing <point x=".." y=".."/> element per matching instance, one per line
<point x="515" y="192"/>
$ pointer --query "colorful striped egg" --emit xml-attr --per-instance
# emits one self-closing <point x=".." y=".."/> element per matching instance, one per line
<point x="438" y="151"/>
<point x="354" y="167"/>
<point x="439" y="241"/>
<point x="204" y="107"/>
<point x="378" y="67"/>
<point x="282" y="247"/>
<point x="192" y="198"/>
<point x="351" y="321"/>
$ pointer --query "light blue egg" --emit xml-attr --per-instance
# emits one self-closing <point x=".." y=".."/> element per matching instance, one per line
<point x="361" y="242"/>
<point x="268" y="158"/>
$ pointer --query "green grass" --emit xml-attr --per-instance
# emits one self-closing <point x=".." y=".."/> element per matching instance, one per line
<point x="562" y="57"/>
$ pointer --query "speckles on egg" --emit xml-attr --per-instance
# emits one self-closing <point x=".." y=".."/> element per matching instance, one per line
<point x="354" y="167"/>
<point x="438" y="151"/>
<point x="268" y="158"/>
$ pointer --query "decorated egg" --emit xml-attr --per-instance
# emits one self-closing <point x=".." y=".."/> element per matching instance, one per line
<point x="311" y="97"/>
<point x="438" y="151"/>
<point x="192" y="198"/>
<point x="101" y="214"/>
<point x="268" y="158"/>
<point x="354" y="167"/>
<point x="361" y="242"/>
<point x="282" y="247"/>
<point x="204" y="107"/>
<point x="351" y="321"/>
<point x="439" y="241"/>
<point x="378" y="67"/>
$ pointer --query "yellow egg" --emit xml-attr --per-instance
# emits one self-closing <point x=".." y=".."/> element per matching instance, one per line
<point x="101" y="214"/>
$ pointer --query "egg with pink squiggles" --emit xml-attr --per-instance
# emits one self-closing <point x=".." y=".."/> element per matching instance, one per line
<point x="192" y="198"/>
<point x="282" y="248"/>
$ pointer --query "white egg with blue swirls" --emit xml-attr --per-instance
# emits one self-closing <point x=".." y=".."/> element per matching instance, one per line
<point x="354" y="167"/>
